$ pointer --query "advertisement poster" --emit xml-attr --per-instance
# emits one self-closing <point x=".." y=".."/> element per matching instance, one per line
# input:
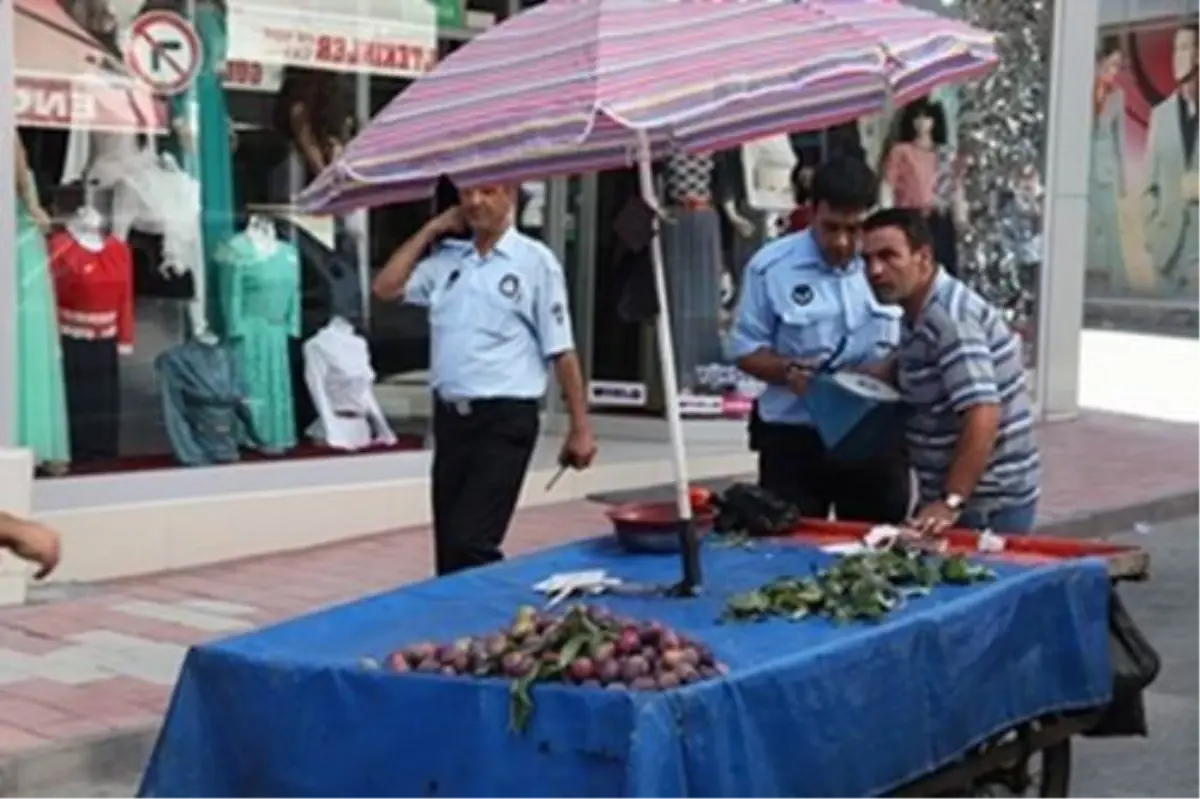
<point x="1142" y="193"/>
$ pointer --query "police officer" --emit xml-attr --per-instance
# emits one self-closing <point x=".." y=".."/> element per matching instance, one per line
<point x="497" y="316"/>
<point x="804" y="299"/>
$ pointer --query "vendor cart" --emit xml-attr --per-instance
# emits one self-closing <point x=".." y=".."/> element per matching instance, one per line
<point x="957" y="693"/>
<point x="1033" y="757"/>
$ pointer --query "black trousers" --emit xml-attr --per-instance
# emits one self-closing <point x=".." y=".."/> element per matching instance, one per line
<point x="945" y="241"/>
<point x="479" y="461"/>
<point x="793" y="465"/>
<point x="93" y="388"/>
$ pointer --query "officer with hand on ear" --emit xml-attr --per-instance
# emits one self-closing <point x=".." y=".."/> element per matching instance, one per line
<point x="498" y="317"/>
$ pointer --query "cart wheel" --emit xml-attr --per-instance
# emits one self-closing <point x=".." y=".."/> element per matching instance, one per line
<point x="1047" y="773"/>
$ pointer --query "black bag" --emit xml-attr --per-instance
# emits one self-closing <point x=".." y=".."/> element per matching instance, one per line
<point x="747" y="508"/>
<point x="1135" y="666"/>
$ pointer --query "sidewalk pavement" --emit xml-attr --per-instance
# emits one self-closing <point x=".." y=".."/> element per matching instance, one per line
<point x="86" y="671"/>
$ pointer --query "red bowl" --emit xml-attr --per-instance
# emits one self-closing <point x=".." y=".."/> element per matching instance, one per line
<point x="654" y="526"/>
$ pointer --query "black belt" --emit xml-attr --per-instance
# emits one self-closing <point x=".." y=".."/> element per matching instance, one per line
<point x="464" y="407"/>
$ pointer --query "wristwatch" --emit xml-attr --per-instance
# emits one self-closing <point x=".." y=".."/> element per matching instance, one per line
<point x="954" y="502"/>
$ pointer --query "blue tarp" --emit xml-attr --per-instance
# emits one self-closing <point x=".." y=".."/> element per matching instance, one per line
<point x="809" y="708"/>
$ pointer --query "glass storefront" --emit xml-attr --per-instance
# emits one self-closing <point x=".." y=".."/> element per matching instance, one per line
<point x="984" y="202"/>
<point x="1142" y="218"/>
<point x="173" y="307"/>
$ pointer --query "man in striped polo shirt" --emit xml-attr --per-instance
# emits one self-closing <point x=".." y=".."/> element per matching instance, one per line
<point x="961" y="371"/>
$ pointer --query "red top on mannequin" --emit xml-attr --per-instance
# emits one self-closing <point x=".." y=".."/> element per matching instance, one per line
<point x="94" y="289"/>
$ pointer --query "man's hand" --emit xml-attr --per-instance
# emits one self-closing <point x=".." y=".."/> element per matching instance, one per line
<point x="934" y="519"/>
<point x="447" y="222"/>
<point x="33" y="542"/>
<point x="798" y="374"/>
<point x="579" y="450"/>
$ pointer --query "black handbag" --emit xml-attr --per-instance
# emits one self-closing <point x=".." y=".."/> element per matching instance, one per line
<point x="750" y="509"/>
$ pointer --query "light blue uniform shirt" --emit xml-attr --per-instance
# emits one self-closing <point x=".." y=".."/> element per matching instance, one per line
<point x="797" y="306"/>
<point x="494" y="320"/>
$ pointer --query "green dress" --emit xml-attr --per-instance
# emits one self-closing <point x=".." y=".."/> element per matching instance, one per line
<point x="211" y="163"/>
<point x="264" y="313"/>
<point x="41" y="396"/>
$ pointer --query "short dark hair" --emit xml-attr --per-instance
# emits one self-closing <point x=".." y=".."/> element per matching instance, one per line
<point x="908" y="221"/>
<point x="845" y="183"/>
<point x="924" y="107"/>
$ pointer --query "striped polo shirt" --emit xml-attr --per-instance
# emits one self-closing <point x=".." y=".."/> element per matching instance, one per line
<point x="957" y="354"/>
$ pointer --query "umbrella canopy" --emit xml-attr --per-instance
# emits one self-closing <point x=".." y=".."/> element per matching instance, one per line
<point x="65" y="78"/>
<point x="563" y="87"/>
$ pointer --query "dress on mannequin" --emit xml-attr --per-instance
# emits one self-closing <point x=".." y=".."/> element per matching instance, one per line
<point x="93" y="280"/>
<point x="41" y="399"/>
<point x="264" y="313"/>
<point x="204" y="402"/>
<point x="337" y="368"/>
<point x="207" y="157"/>
<point x="691" y="242"/>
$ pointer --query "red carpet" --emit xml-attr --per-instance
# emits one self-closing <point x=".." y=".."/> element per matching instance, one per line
<point x="304" y="451"/>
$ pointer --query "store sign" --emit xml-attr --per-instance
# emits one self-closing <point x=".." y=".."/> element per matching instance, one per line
<point x="397" y="38"/>
<point x="616" y="394"/>
<point x="52" y="102"/>
<point x="253" y="76"/>
<point x="700" y="405"/>
<point x="449" y="13"/>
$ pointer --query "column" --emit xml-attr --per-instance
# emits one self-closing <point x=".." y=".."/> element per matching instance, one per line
<point x="1068" y="154"/>
<point x="8" y="232"/>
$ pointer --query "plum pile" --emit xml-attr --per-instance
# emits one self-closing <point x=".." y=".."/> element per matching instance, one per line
<point x="586" y="646"/>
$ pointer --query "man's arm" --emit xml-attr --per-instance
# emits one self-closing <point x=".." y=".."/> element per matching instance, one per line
<point x="552" y="319"/>
<point x="392" y="281"/>
<point x="753" y="332"/>
<point x="969" y="377"/>
<point x="30" y="541"/>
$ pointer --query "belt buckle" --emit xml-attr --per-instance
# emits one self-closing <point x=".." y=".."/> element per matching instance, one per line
<point x="463" y="407"/>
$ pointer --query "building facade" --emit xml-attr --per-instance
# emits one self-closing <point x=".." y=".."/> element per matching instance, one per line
<point x="192" y="371"/>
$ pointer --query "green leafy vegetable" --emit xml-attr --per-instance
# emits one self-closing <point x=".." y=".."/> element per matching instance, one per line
<point x="859" y="587"/>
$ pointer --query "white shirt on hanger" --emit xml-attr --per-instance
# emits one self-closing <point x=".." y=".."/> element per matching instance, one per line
<point x="768" y="164"/>
<point x="337" y="369"/>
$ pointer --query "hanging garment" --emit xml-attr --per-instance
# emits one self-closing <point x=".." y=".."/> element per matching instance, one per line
<point x="94" y="290"/>
<point x="41" y="393"/>
<point x="767" y="166"/>
<point x="211" y="161"/>
<point x="204" y="402"/>
<point x="692" y="261"/>
<point x="912" y="173"/>
<point x="341" y="382"/>
<point x="263" y="307"/>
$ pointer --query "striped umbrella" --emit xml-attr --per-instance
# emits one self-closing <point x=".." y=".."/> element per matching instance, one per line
<point x="566" y="87"/>
<point x="584" y="85"/>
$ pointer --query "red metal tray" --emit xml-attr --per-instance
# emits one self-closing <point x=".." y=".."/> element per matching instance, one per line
<point x="1124" y="562"/>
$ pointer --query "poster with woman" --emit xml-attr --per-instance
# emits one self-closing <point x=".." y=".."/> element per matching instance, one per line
<point x="1142" y="225"/>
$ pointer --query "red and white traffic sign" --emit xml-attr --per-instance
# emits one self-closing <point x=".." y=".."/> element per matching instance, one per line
<point x="164" y="51"/>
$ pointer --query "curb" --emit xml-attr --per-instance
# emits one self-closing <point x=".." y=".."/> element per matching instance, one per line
<point x="71" y="768"/>
<point x="118" y="758"/>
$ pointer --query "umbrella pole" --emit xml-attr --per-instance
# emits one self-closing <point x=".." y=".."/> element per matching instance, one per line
<point x="688" y="546"/>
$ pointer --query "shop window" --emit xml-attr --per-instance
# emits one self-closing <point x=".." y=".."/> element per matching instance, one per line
<point x="1141" y="242"/>
<point x="175" y="307"/>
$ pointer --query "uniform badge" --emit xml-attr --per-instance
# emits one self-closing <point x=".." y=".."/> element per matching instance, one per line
<point x="802" y="294"/>
<point x="558" y="312"/>
<point x="509" y="285"/>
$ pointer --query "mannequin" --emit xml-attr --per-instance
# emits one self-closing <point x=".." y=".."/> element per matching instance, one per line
<point x="204" y="402"/>
<point x="41" y="396"/>
<point x="200" y="121"/>
<point x="262" y="312"/>
<point x="691" y="241"/>
<point x="924" y="173"/>
<point x="93" y="280"/>
<point x="337" y="369"/>
<point x="756" y="179"/>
